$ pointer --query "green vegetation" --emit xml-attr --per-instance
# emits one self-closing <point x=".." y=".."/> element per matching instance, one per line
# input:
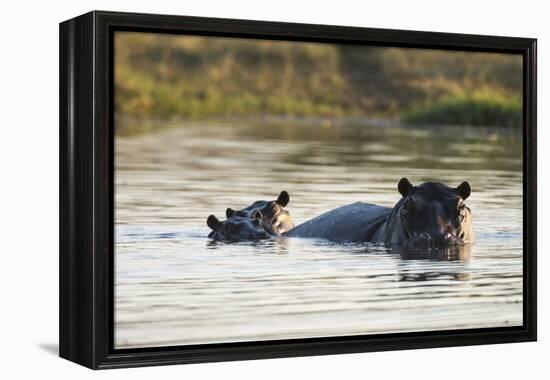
<point x="470" y="109"/>
<point x="174" y="77"/>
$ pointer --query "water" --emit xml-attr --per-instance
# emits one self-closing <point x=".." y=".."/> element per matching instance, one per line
<point x="175" y="287"/>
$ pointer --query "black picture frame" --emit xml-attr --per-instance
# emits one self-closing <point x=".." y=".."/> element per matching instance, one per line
<point x="86" y="189"/>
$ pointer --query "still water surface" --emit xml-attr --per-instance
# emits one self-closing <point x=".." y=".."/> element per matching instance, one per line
<point x="174" y="286"/>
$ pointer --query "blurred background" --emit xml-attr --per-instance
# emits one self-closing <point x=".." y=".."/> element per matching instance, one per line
<point x="187" y="77"/>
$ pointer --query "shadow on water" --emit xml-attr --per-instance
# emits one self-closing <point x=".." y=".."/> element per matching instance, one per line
<point x="430" y="276"/>
<point x="455" y="253"/>
<point x="281" y="245"/>
<point x="418" y="265"/>
<point x="278" y="245"/>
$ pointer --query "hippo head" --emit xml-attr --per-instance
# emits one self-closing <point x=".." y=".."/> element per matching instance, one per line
<point x="433" y="214"/>
<point x="275" y="219"/>
<point x="237" y="228"/>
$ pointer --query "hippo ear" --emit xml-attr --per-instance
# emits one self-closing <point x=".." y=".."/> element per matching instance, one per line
<point x="404" y="187"/>
<point x="229" y="212"/>
<point x="257" y="215"/>
<point x="283" y="199"/>
<point x="213" y="222"/>
<point x="464" y="190"/>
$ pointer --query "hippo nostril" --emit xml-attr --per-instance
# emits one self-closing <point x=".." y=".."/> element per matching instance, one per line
<point x="451" y="239"/>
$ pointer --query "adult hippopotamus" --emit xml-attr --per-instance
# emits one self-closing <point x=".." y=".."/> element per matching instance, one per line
<point x="427" y="215"/>
<point x="275" y="219"/>
<point x="237" y="228"/>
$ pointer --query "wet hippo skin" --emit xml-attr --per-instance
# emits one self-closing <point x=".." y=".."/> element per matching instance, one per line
<point x="355" y="222"/>
<point x="275" y="219"/>
<point x="431" y="214"/>
<point x="237" y="228"/>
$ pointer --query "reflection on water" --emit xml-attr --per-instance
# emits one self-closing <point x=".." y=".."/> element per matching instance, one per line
<point x="462" y="253"/>
<point x="174" y="286"/>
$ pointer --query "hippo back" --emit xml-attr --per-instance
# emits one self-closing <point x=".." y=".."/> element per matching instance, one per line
<point x="356" y="222"/>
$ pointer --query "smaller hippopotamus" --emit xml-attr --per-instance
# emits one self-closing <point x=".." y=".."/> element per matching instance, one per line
<point x="274" y="218"/>
<point x="237" y="228"/>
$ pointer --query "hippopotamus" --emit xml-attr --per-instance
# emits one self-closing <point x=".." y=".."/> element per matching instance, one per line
<point x="428" y="215"/>
<point x="275" y="219"/>
<point x="237" y="228"/>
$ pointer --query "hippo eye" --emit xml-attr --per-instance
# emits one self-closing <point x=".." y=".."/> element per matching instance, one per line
<point x="275" y="207"/>
<point x="408" y="207"/>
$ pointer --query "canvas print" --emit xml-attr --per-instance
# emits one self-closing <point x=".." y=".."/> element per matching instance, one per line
<point x="270" y="189"/>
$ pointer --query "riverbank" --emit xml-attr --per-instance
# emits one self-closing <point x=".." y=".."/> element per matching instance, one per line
<point x="199" y="78"/>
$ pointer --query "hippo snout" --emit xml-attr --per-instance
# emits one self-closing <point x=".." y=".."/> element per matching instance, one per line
<point x="425" y="240"/>
<point x="449" y="239"/>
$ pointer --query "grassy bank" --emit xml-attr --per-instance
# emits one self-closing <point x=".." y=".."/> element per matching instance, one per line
<point x="478" y="109"/>
<point x="197" y="78"/>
